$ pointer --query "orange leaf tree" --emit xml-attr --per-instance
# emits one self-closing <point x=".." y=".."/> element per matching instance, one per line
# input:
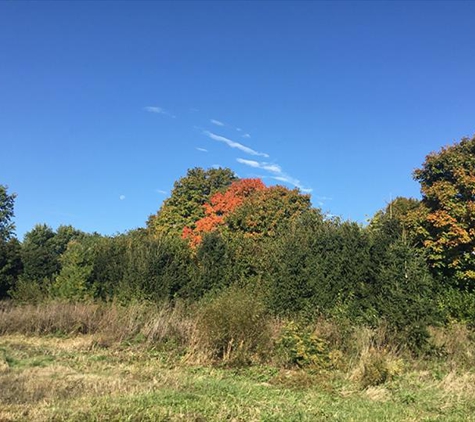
<point x="220" y="205"/>
<point x="249" y="208"/>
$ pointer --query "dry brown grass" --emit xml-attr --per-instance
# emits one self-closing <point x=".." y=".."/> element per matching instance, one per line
<point x="456" y="342"/>
<point x="376" y="361"/>
<point x="110" y="322"/>
<point x="50" y="318"/>
<point x="378" y="393"/>
<point x="30" y="383"/>
<point x="459" y="384"/>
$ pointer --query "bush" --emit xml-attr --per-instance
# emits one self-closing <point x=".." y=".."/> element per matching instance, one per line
<point x="376" y="360"/>
<point x="299" y="346"/>
<point x="318" y="266"/>
<point x="27" y="291"/>
<point x="233" y="327"/>
<point x="374" y="370"/>
<point x="458" y="305"/>
<point x="403" y="293"/>
<point x="136" y="266"/>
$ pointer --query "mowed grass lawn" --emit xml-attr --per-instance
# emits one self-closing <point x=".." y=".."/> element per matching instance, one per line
<point x="78" y="379"/>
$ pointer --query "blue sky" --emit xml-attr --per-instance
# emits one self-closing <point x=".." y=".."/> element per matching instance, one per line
<point x="103" y="105"/>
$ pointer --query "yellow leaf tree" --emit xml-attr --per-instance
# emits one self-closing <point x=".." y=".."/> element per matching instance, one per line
<point x="447" y="211"/>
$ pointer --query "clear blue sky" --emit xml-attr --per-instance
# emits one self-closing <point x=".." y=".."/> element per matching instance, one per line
<point x="103" y="105"/>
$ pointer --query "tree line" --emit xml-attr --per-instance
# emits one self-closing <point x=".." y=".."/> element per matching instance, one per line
<point x="413" y="265"/>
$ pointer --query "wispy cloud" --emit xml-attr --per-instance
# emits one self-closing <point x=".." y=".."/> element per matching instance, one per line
<point x="201" y="149"/>
<point x="246" y="135"/>
<point x="239" y="129"/>
<point x="273" y="168"/>
<point x="277" y="173"/>
<point x="122" y="197"/>
<point x="163" y="192"/>
<point x="233" y="144"/>
<point x="216" y="122"/>
<point x="158" y="110"/>
<point x="292" y="181"/>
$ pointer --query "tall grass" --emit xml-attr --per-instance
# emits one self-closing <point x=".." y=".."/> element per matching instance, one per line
<point x="234" y="328"/>
<point x="111" y="322"/>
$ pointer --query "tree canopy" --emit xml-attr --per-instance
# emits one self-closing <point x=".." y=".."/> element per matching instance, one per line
<point x="248" y="208"/>
<point x="10" y="261"/>
<point x="7" y="203"/>
<point x="447" y="213"/>
<point x="185" y="205"/>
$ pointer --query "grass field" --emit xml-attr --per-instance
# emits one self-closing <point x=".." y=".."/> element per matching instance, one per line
<point x="77" y="378"/>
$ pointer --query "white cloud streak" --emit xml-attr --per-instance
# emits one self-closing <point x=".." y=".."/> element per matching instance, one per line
<point x="233" y="144"/>
<point x="201" y="149"/>
<point x="158" y="110"/>
<point x="216" y="122"/>
<point x="246" y="135"/>
<point x="273" y="168"/>
<point x="277" y="172"/>
<point x="163" y="192"/>
<point x="292" y="181"/>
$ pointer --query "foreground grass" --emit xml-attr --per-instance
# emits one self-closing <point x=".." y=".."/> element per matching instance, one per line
<point x="48" y="378"/>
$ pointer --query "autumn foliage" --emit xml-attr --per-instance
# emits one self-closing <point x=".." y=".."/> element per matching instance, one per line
<point x="220" y="206"/>
<point x="185" y="205"/>
<point x="447" y="213"/>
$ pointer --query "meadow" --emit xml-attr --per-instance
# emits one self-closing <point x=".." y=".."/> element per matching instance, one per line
<point x="97" y="362"/>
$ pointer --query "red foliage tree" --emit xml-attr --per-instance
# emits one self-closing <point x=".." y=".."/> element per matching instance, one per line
<point x="220" y="206"/>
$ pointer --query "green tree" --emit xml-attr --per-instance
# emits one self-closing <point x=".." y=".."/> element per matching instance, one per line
<point x="402" y="291"/>
<point x="397" y="219"/>
<point x="42" y="248"/>
<point x="213" y="266"/>
<point x="185" y="205"/>
<point x="10" y="260"/>
<point x="7" y="203"/>
<point x="66" y="234"/>
<point x="318" y="266"/>
<point x="10" y="265"/>
<point x="447" y="213"/>
<point x="137" y="265"/>
<point x="109" y="265"/>
<point x="73" y="281"/>
<point x="157" y="268"/>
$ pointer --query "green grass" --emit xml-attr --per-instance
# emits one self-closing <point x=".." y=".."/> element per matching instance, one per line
<point x="73" y="379"/>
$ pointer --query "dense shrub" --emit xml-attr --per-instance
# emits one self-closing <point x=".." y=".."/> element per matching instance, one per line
<point x="139" y="266"/>
<point x="318" y="266"/>
<point x="213" y="269"/>
<point x="457" y="305"/>
<point x="403" y="293"/>
<point x="234" y="326"/>
<point x="301" y="347"/>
